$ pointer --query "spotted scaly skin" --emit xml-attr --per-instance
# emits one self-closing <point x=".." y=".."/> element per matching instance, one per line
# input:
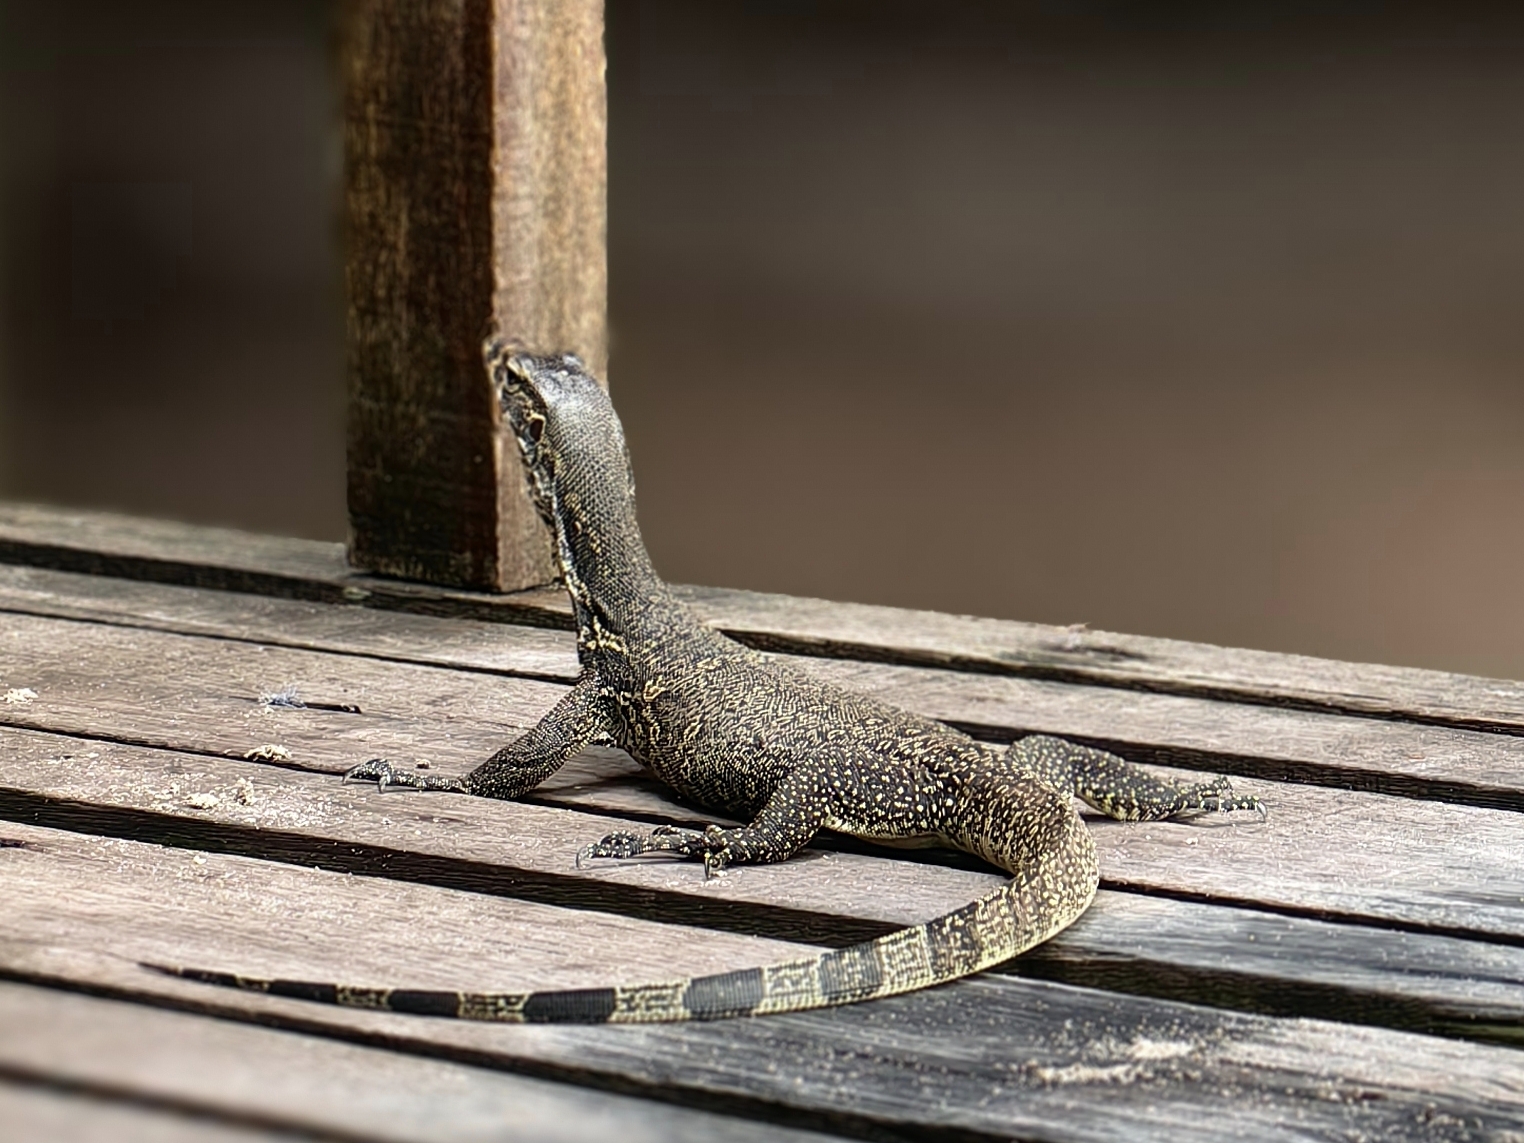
<point x="761" y="742"/>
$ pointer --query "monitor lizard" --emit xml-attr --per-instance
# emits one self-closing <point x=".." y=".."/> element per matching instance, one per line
<point x="762" y="741"/>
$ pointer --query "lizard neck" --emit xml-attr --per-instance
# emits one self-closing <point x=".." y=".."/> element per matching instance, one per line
<point x="614" y="588"/>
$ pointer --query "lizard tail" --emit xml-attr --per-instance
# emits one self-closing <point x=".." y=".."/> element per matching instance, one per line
<point x="1049" y="893"/>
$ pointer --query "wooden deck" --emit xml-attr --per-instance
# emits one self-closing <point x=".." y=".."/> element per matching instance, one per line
<point x="1351" y="969"/>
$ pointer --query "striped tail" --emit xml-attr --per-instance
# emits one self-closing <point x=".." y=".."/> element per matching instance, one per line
<point x="1020" y="914"/>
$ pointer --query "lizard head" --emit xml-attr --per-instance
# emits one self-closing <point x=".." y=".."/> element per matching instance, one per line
<point x="565" y="425"/>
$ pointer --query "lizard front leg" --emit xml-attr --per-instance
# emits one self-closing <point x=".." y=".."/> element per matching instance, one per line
<point x="574" y="722"/>
<point x="789" y="819"/>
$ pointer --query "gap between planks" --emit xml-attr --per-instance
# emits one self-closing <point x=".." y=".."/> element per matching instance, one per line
<point x="396" y="617"/>
<point x="1204" y="953"/>
<point x="1468" y="767"/>
<point x="99" y="543"/>
<point x="1428" y="865"/>
<point x="985" y="1058"/>
<point x="82" y="1068"/>
<point x="34" y="1109"/>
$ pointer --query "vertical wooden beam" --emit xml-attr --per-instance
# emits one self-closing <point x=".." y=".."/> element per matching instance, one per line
<point x="475" y="197"/>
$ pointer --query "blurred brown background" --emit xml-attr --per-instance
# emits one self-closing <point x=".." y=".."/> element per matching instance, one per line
<point x="1181" y="319"/>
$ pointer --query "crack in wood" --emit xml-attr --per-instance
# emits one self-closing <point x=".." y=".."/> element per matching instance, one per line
<point x="669" y="1090"/>
<point x="193" y="1110"/>
<point x="395" y="595"/>
<point x="565" y="890"/>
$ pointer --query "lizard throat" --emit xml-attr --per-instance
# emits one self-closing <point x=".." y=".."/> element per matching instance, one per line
<point x="604" y="564"/>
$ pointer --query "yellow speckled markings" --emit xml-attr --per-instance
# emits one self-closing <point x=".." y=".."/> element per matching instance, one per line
<point x="766" y="743"/>
<point x="985" y="932"/>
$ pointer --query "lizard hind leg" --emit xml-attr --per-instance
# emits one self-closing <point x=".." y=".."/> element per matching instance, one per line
<point x="1120" y="789"/>
<point x="791" y="816"/>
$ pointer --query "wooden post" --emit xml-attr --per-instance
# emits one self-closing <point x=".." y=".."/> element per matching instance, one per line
<point x="474" y="151"/>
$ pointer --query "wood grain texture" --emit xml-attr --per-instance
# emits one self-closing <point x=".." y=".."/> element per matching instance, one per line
<point x="549" y="224"/>
<point x="418" y="126"/>
<point x="106" y="543"/>
<point x="1105" y="658"/>
<point x="989" y="1058"/>
<point x="181" y="905"/>
<point x="1292" y="966"/>
<point x="549" y="172"/>
<point x="120" y="1071"/>
<point x="146" y="829"/>
<point x="37" y="1109"/>
<point x="1151" y="945"/>
<point x="521" y="850"/>
<point x="166" y="551"/>
<point x="467" y="644"/>
<point x="475" y="175"/>
<point x="1340" y="751"/>
<point x="1374" y="858"/>
<point x="993" y="1056"/>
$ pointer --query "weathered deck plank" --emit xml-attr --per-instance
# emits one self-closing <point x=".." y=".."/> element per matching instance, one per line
<point x="1386" y="905"/>
<point x="515" y="849"/>
<point x="112" y="545"/>
<point x="1152" y="945"/>
<point x="1292" y="966"/>
<point x="1342" y="751"/>
<point x="181" y="905"/>
<point x="122" y="1072"/>
<point x="989" y="1057"/>
<point x="1356" y="856"/>
<point x="47" y="1111"/>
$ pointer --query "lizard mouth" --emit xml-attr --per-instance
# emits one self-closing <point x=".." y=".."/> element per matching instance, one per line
<point x="560" y="416"/>
<point x="510" y="366"/>
<point x="513" y="375"/>
<point x="512" y="370"/>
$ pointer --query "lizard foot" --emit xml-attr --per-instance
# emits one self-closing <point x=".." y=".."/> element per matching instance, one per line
<point x="385" y="775"/>
<point x="1217" y="797"/>
<point x="709" y="845"/>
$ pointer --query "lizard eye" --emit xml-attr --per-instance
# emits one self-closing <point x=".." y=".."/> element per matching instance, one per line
<point x="535" y="428"/>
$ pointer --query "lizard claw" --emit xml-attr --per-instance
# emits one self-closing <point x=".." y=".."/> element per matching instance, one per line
<point x="715" y="861"/>
<point x="709" y="846"/>
<point x="1226" y="805"/>
<point x="615" y="845"/>
<point x="373" y="770"/>
<point x="386" y="776"/>
<point x="1216" y="797"/>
